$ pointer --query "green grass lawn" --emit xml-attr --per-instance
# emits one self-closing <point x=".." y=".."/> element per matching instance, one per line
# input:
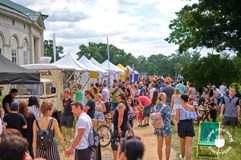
<point x="234" y="147"/>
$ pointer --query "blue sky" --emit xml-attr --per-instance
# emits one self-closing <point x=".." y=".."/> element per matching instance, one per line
<point x="137" y="26"/>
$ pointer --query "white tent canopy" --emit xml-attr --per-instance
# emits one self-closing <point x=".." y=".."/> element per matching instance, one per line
<point x="47" y="66"/>
<point x="88" y="63"/>
<point x="70" y="61"/>
<point x="112" y="67"/>
<point x="98" y="64"/>
<point x="131" y="69"/>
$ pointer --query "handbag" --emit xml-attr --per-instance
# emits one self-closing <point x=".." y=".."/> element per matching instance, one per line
<point x="156" y="117"/>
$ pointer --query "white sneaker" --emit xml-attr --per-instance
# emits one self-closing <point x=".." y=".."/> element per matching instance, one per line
<point x="71" y="141"/>
<point x="180" y="157"/>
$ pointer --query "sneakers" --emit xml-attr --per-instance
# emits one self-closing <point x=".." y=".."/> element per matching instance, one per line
<point x="180" y="157"/>
<point x="71" y="141"/>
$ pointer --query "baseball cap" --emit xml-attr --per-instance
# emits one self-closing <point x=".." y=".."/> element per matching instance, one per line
<point x="14" y="105"/>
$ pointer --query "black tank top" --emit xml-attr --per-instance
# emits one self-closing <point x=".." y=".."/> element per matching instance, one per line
<point x="124" y="125"/>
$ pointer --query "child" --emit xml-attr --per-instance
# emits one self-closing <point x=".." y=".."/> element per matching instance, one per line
<point x="139" y="115"/>
<point x="211" y="108"/>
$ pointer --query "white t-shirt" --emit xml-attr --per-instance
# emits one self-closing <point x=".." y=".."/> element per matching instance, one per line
<point x="35" y="111"/>
<point x="223" y="89"/>
<point x="106" y="93"/>
<point x="218" y="93"/>
<point x="85" y="122"/>
<point x="151" y="92"/>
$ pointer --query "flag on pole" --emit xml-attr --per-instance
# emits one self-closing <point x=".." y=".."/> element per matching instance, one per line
<point x="133" y="74"/>
<point x="54" y="47"/>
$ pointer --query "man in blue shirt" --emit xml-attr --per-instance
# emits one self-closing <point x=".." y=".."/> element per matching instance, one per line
<point x="143" y="89"/>
<point x="181" y="87"/>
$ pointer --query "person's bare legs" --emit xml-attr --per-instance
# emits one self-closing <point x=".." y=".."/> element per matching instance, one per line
<point x="94" y="122"/>
<point x="222" y="131"/>
<point x="115" y="154"/>
<point x="168" y="146"/>
<point x="182" y="146"/>
<point x="188" y="148"/>
<point x="71" y="133"/>
<point x="232" y="131"/>
<point x="159" y="146"/>
<point x="147" y="120"/>
<point x="64" y="132"/>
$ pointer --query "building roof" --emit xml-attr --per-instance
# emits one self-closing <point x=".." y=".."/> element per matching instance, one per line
<point x="33" y="15"/>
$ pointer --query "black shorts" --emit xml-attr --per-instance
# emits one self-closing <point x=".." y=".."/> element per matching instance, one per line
<point x="185" y="128"/>
<point x="233" y="121"/>
<point x="83" y="154"/>
<point x="67" y="121"/>
<point x="115" y="140"/>
<point x="107" y="106"/>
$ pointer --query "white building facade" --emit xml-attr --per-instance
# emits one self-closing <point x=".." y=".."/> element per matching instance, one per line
<point x="21" y="33"/>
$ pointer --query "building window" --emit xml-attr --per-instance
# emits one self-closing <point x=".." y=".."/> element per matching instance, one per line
<point x="24" y="26"/>
<point x="14" y="56"/>
<point x="25" y="57"/>
<point x="13" y="22"/>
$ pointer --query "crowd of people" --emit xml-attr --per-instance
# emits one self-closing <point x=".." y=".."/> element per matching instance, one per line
<point x="179" y="104"/>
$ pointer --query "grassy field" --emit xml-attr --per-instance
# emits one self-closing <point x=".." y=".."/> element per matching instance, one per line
<point x="233" y="152"/>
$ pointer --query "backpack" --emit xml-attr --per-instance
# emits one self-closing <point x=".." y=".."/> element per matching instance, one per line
<point x="93" y="138"/>
<point x="44" y="138"/>
<point x="156" y="117"/>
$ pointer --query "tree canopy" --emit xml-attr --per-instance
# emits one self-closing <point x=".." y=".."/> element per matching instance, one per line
<point x="214" y="68"/>
<point x="212" y="24"/>
<point x="48" y="50"/>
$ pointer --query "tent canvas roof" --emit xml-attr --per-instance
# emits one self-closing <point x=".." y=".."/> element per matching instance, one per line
<point x="68" y="60"/>
<point x="121" y="67"/>
<point x="86" y="62"/>
<point x="98" y="64"/>
<point x="113" y="67"/>
<point x="47" y="66"/>
<point x="10" y="73"/>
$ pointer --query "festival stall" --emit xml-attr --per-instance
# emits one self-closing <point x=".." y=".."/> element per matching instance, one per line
<point x="113" y="69"/>
<point x="95" y="75"/>
<point x="133" y="74"/>
<point x="82" y="74"/>
<point x="126" y="75"/>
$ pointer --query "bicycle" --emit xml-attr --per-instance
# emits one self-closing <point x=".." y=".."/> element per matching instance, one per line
<point x="106" y="131"/>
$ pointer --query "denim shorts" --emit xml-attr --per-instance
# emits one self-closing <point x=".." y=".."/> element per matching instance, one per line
<point x="99" y="116"/>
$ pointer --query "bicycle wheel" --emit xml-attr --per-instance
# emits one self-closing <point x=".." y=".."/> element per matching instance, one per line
<point x="129" y="133"/>
<point x="105" y="134"/>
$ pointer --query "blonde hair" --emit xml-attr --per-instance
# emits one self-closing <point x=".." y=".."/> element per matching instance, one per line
<point x="161" y="97"/>
<point x="99" y="95"/>
<point x="46" y="106"/>
<point x="176" y="91"/>
<point x="67" y="91"/>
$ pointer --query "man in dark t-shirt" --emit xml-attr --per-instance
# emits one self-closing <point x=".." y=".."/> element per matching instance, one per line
<point x="169" y="90"/>
<point x="67" y="118"/>
<point x="14" y="119"/>
<point x="90" y="105"/>
<point x="8" y="99"/>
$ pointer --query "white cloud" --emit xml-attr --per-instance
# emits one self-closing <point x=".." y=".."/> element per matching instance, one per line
<point x="137" y="26"/>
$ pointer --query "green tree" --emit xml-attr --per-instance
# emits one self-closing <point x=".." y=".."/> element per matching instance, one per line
<point x="48" y="50"/>
<point x="213" y="68"/>
<point x="212" y="24"/>
<point x="99" y="52"/>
